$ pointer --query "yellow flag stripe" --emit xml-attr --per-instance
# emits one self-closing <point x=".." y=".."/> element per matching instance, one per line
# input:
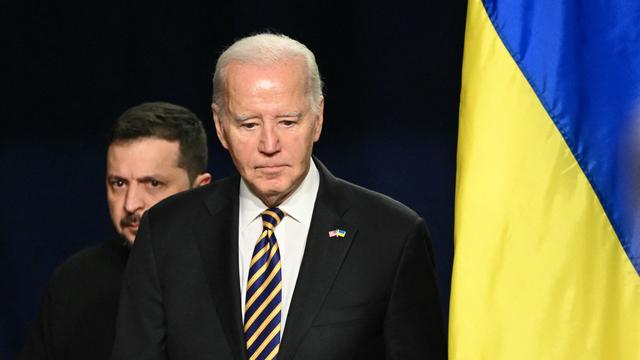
<point x="538" y="270"/>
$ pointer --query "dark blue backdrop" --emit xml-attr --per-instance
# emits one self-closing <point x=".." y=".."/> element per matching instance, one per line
<point x="392" y="73"/>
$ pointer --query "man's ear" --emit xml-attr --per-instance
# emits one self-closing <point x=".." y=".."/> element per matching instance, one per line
<point x="319" y="120"/>
<point x="217" y="120"/>
<point x="202" y="179"/>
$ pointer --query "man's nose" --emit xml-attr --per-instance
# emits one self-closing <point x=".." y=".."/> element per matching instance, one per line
<point x="269" y="140"/>
<point x="134" y="200"/>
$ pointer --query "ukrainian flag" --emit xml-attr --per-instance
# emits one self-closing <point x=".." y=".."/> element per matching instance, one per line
<point x="547" y="219"/>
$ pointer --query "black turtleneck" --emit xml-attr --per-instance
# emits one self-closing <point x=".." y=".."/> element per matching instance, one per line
<point x="78" y="312"/>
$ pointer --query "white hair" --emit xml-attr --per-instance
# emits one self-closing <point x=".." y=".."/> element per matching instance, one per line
<point x="267" y="48"/>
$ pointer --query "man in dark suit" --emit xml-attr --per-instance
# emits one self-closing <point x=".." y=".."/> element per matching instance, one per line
<point x="155" y="150"/>
<point x="285" y="260"/>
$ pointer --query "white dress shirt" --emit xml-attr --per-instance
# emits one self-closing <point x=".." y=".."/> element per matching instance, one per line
<point x="291" y="234"/>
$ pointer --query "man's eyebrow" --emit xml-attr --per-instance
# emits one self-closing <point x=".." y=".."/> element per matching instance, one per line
<point x="242" y="117"/>
<point x="295" y="114"/>
<point x="149" y="178"/>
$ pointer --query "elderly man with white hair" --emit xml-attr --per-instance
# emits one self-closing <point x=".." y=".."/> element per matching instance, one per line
<point x="284" y="260"/>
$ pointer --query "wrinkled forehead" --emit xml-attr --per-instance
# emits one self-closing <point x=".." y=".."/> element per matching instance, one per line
<point x="249" y="81"/>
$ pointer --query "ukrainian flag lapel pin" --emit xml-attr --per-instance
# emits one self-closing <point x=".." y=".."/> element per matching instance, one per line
<point x="337" y="233"/>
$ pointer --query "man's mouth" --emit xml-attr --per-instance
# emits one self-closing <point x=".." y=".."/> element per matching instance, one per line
<point x="270" y="168"/>
<point x="131" y="222"/>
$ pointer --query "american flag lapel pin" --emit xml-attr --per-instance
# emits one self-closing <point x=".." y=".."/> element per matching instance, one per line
<point x="337" y="233"/>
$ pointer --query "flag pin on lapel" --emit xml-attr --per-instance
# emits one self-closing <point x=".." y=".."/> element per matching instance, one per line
<point x="337" y="233"/>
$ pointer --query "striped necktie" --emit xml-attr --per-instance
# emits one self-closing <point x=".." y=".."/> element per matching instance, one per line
<point x="264" y="292"/>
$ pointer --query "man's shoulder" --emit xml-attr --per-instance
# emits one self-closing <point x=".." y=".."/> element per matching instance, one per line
<point x="193" y="200"/>
<point x="83" y="259"/>
<point x="79" y="307"/>
<point x="87" y="265"/>
<point x="181" y="210"/>
<point x="369" y="202"/>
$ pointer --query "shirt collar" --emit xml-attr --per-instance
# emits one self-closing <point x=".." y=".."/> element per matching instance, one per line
<point x="298" y="206"/>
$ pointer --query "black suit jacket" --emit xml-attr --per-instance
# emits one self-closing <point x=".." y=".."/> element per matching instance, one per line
<point x="371" y="294"/>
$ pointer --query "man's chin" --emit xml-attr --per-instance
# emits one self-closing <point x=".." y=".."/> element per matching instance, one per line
<point x="273" y="196"/>
<point x="129" y="235"/>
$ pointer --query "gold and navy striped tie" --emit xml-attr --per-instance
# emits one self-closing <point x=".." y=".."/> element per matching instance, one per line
<point x="264" y="292"/>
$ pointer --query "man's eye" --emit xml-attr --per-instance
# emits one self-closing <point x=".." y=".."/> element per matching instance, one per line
<point x="118" y="183"/>
<point x="249" y="125"/>
<point x="154" y="183"/>
<point x="287" y="123"/>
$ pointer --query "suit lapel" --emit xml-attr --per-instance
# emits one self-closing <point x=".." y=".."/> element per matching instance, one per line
<point x="217" y="240"/>
<point x="321" y="262"/>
